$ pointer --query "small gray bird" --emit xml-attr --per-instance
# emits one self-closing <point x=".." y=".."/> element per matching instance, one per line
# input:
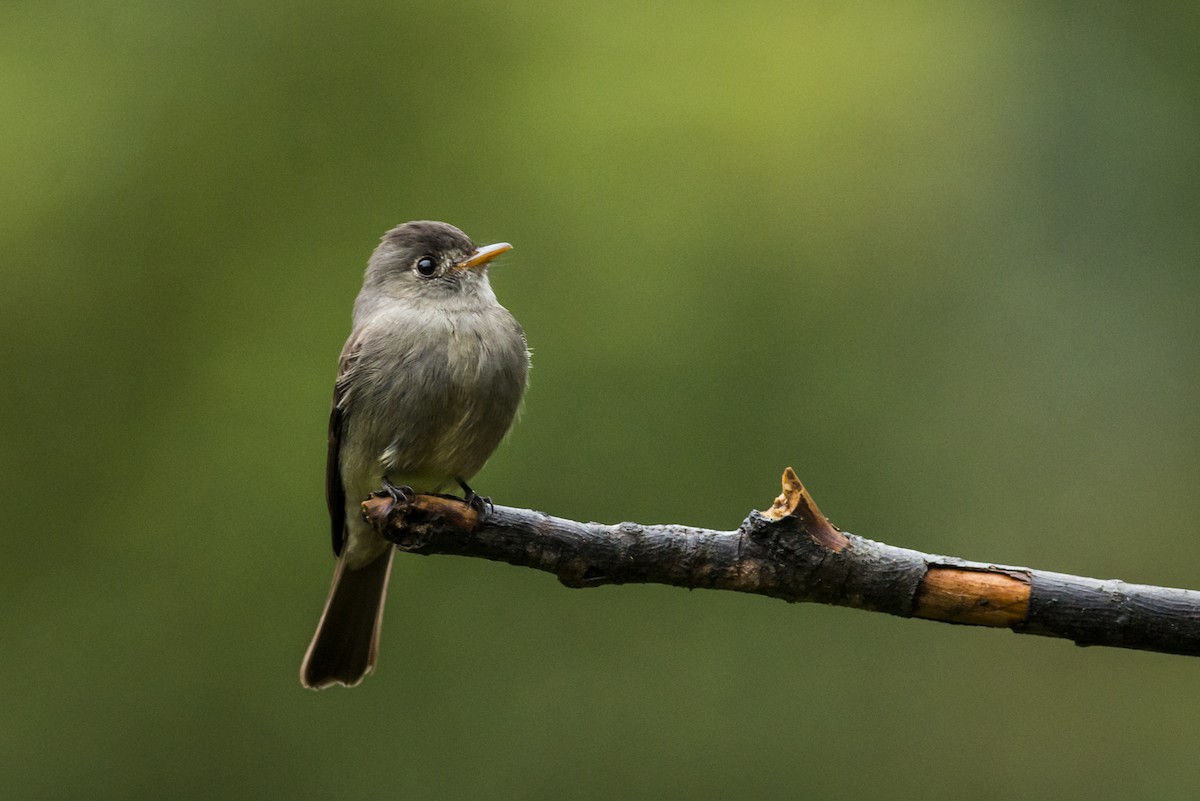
<point x="428" y="384"/>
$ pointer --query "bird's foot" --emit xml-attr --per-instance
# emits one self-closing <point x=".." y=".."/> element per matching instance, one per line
<point x="399" y="495"/>
<point x="378" y="510"/>
<point x="482" y="505"/>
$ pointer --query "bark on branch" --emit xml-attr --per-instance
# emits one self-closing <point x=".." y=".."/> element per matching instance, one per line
<point x="793" y="552"/>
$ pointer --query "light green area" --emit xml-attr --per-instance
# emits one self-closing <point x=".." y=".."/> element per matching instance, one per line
<point x="943" y="258"/>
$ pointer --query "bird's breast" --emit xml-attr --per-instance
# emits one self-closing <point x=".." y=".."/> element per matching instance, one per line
<point x="448" y="394"/>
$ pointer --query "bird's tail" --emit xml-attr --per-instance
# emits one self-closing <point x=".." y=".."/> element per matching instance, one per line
<point x="346" y="644"/>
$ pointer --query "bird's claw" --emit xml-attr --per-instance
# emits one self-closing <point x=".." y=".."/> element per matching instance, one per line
<point x="399" y="495"/>
<point x="482" y="505"/>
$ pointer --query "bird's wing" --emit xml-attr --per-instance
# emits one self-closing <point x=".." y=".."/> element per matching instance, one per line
<point x="335" y="492"/>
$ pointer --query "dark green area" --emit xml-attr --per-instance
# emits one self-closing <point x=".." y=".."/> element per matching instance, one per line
<point x="943" y="258"/>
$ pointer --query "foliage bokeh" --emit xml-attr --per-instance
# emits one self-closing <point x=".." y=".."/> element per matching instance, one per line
<point x="941" y="258"/>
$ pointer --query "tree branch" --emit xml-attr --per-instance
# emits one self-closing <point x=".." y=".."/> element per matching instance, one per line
<point x="793" y="552"/>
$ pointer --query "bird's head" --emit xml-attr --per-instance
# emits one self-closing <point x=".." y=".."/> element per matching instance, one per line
<point x="431" y="261"/>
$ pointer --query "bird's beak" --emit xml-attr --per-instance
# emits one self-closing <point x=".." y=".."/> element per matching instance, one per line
<point x="483" y="255"/>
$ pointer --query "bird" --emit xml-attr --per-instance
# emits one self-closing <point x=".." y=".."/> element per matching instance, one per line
<point x="428" y="384"/>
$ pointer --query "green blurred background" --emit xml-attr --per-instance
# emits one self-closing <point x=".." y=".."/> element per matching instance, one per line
<point x="943" y="258"/>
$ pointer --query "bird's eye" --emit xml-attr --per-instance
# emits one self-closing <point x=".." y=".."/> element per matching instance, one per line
<point x="426" y="265"/>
